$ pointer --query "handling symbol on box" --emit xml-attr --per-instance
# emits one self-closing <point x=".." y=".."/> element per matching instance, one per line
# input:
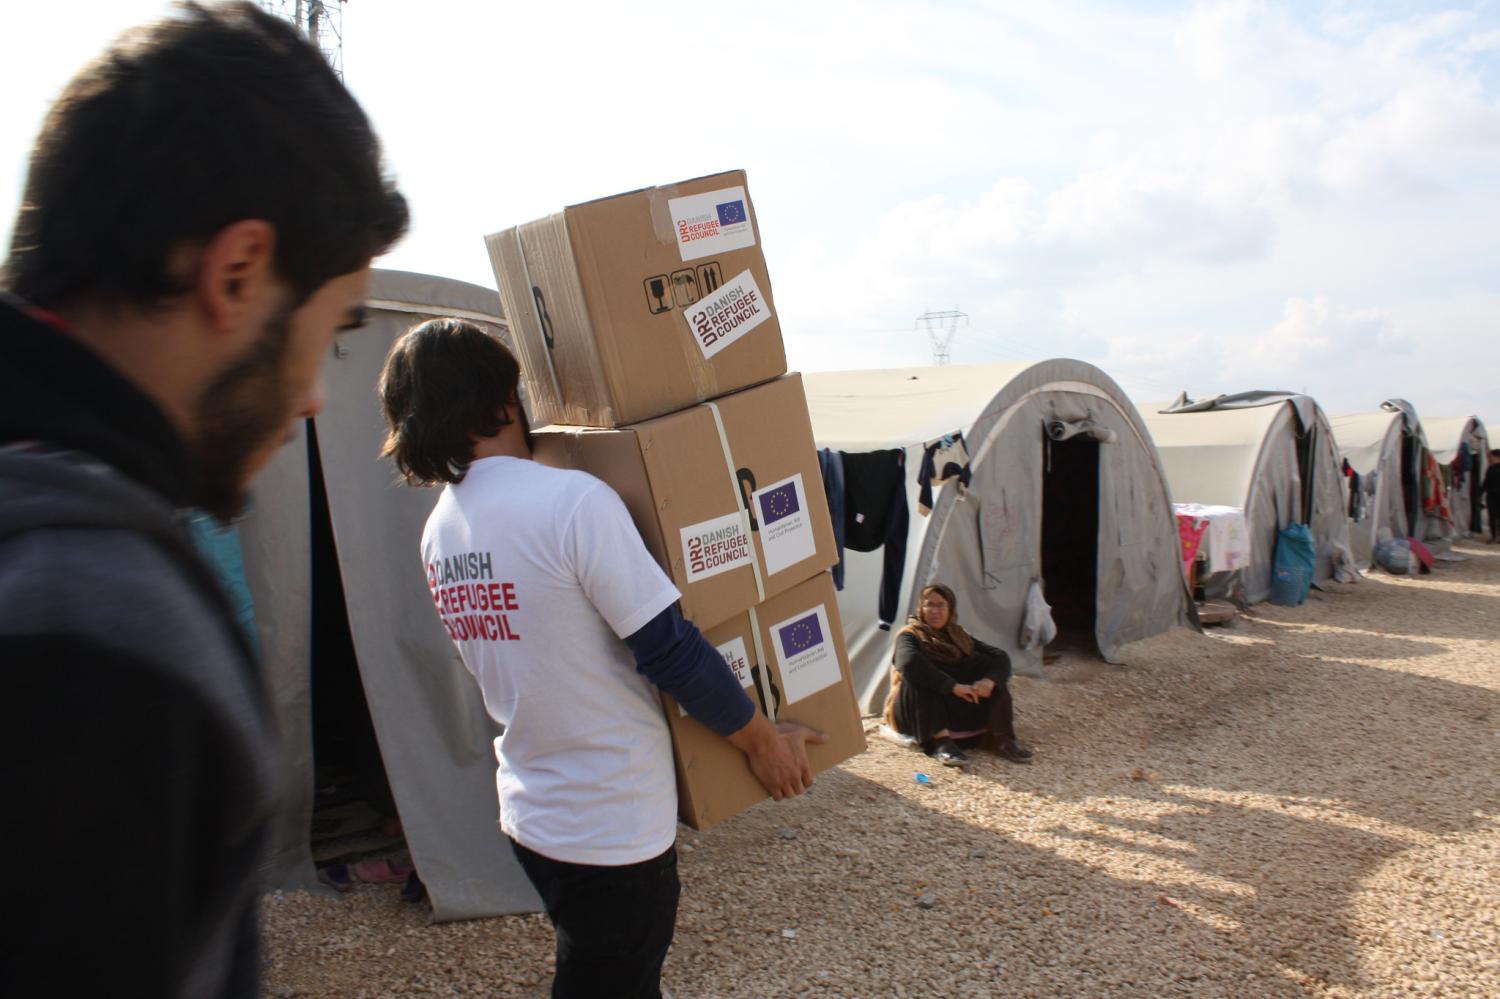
<point x="685" y="287"/>
<point x="657" y="299"/>
<point x="710" y="276"/>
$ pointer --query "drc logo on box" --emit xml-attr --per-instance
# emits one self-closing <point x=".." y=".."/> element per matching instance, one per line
<point x="712" y="222"/>
<point x="720" y="319"/>
<point x="715" y="546"/>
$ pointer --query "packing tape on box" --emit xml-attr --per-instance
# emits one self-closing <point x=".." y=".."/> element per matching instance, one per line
<point x="767" y="697"/>
<point x="739" y="502"/>
<point x="540" y="327"/>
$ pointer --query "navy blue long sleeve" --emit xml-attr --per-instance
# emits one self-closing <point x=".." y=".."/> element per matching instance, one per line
<point x="673" y="654"/>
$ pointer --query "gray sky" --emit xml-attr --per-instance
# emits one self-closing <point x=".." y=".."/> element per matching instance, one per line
<point x="1213" y="197"/>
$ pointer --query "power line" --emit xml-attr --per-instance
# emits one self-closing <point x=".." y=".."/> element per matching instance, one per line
<point x="1008" y="352"/>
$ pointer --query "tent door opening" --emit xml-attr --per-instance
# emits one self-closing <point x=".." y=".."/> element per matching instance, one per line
<point x="1306" y="470"/>
<point x="1070" y="538"/>
<point x="353" y="810"/>
<point x="1411" y="480"/>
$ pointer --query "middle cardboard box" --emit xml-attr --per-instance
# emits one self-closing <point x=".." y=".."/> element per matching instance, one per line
<point x="727" y="494"/>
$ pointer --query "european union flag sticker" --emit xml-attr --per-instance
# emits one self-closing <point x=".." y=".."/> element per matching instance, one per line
<point x="779" y="503"/>
<point x="731" y="213"/>
<point x="802" y="634"/>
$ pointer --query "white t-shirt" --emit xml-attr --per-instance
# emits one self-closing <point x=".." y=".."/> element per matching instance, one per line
<point x="537" y="574"/>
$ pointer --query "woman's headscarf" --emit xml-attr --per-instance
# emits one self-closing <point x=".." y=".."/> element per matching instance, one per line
<point x="944" y="645"/>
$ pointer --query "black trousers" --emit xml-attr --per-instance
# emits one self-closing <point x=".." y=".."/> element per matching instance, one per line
<point x="614" y="924"/>
<point x="922" y="713"/>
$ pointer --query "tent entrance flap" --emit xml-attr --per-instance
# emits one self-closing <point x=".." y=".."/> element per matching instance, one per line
<point x="1070" y="536"/>
<point x="352" y="797"/>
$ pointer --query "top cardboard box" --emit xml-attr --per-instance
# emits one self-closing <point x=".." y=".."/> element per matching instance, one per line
<point x="635" y="306"/>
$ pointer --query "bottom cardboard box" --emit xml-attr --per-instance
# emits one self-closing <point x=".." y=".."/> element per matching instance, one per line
<point x="788" y="652"/>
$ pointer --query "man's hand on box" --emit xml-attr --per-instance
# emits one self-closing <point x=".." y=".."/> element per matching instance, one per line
<point x="777" y="755"/>
<point x="796" y="738"/>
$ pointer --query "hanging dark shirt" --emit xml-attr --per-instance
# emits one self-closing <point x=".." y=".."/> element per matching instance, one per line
<point x="876" y="515"/>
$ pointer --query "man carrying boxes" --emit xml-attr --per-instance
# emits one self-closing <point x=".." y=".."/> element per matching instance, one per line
<point x="566" y="622"/>
<point x="566" y="581"/>
<point x="648" y="334"/>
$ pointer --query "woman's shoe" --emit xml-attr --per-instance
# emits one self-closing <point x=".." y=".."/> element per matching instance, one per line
<point x="948" y="754"/>
<point x="1015" y="752"/>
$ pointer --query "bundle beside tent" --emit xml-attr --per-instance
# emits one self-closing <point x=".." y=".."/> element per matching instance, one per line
<point x="1460" y="444"/>
<point x="434" y="736"/>
<point x="1272" y="455"/>
<point x="1063" y="488"/>
<point x="1387" y="449"/>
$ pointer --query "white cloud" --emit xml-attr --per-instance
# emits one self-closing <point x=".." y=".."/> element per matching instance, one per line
<point x="1271" y="181"/>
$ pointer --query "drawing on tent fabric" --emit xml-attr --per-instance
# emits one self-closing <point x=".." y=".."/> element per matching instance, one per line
<point x="1000" y="540"/>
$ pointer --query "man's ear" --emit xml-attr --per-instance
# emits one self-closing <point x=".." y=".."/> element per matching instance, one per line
<point x="236" y="272"/>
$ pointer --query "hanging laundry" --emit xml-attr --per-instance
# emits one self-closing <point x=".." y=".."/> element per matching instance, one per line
<point x="1190" y="530"/>
<point x="943" y="459"/>
<point x="1356" y="495"/>
<point x="876" y="515"/>
<point x="831" y="464"/>
<point x="1434" y="496"/>
<point x="1227" y="540"/>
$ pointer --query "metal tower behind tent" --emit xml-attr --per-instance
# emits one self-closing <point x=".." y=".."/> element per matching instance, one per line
<point x="322" y="21"/>
<point x="940" y="327"/>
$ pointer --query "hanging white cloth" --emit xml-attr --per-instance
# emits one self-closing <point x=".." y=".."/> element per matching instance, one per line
<point x="1226" y="544"/>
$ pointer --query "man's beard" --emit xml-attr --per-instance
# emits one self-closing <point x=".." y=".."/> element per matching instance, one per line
<point x="241" y="413"/>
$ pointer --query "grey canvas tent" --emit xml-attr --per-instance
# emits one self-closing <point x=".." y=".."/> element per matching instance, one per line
<point x="1387" y="449"/>
<point x="1086" y="513"/>
<point x="1271" y="454"/>
<point x="434" y="737"/>
<point x="1461" y="440"/>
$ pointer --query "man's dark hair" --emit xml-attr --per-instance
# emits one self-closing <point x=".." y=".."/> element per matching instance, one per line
<point x="445" y="383"/>
<point x="213" y="115"/>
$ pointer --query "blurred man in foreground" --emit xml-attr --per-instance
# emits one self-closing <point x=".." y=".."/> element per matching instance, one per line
<point x="201" y="211"/>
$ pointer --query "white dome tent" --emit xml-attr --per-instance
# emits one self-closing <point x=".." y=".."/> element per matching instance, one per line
<point x="1272" y="455"/>
<point x="1448" y="436"/>
<point x="1087" y="514"/>
<point x="1386" y="449"/>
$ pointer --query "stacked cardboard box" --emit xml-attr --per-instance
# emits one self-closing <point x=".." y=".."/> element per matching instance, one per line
<point x="648" y="338"/>
<point x="637" y="305"/>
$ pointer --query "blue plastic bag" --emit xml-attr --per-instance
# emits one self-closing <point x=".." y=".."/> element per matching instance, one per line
<point x="1292" y="569"/>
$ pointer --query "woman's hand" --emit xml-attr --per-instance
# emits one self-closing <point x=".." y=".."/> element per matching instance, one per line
<point x="965" y="692"/>
<point x="985" y="687"/>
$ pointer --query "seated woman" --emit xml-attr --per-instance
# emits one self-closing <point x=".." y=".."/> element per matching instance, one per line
<point x="945" y="685"/>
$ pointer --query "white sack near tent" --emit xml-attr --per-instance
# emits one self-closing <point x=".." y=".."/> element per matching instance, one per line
<point x="1088" y="515"/>
<point x="1451" y="437"/>
<point x="435" y="738"/>
<point x="1037" y="626"/>
<point x="1272" y="455"/>
<point x="1386" y="448"/>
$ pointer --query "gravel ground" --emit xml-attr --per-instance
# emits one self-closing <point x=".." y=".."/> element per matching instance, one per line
<point x="1304" y="804"/>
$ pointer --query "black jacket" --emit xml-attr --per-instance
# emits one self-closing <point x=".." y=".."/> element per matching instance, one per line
<point x="1492" y="485"/>
<point x="136" y="759"/>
